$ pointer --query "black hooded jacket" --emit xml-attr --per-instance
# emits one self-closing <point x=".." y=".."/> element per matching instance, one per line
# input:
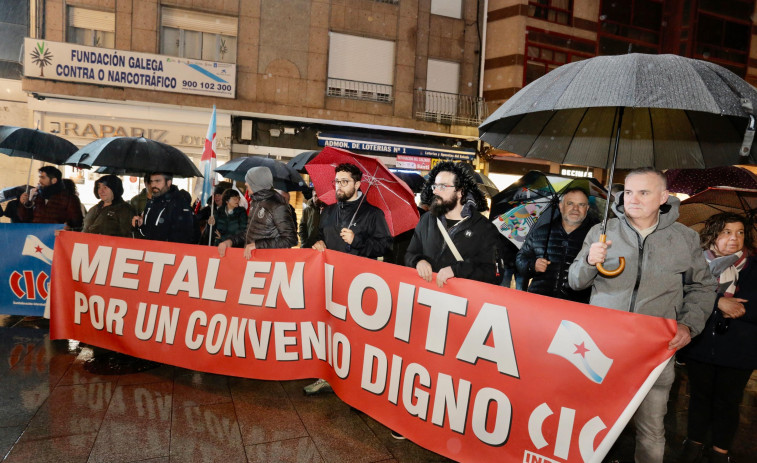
<point x="168" y="217"/>
<point x="478" y="241"/>
<point x="372" y="236"/>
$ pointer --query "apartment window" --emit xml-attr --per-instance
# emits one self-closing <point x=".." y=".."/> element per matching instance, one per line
<point x="545" y="52"/>
<point x="632" y="26"/>
<point x="723" y="40"/>
<point x="556" y="11"/>
<point x="194" y="35"/>
<point x="93" y="28"/>
<point x="360" y="68"/>
<point x="451" y="8"/>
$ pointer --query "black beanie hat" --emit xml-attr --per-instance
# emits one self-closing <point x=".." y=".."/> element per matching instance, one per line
<point x="112" y="182"/>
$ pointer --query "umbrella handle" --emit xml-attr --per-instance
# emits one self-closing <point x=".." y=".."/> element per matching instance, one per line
<point x="621" y="263"/>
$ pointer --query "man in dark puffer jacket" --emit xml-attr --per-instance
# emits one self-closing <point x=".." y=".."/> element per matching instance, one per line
<point x="549" y="250"/>
<point x="269" y="223"/>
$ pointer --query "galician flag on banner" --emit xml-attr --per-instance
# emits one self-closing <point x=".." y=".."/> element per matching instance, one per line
<point x="204" y="186"/>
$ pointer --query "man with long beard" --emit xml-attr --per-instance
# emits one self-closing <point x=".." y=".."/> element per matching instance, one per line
<point x="472" y="247"/>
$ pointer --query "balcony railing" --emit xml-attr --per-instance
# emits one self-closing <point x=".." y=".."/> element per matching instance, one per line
<point x="449" y="108"/>
<point x="355" y="90"/>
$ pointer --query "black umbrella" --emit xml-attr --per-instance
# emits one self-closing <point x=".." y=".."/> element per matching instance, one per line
<point x="298" y="162"/>
<point x="630" y="111"/>
<point x="34" y="144"/>
<point x="284" y="177"/>
<point x="414" y="180"/>
<point x="135" y="155"/>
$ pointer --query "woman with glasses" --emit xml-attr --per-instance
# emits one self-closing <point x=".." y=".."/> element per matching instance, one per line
<point x="721" y="359"/>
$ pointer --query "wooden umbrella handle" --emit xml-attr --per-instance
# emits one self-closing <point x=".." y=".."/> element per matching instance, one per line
<point x="617" y="271"/>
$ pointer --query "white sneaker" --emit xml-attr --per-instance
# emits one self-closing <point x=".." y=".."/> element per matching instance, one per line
<point x="317" y="387"/>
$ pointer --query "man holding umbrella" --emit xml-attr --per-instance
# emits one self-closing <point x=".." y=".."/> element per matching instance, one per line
<point x="167" y="215"/>
<point x="351" y="225"/>
<point x="549" y="250"/>
<point x="51" y="202"/>
<point x="666" y="276"/>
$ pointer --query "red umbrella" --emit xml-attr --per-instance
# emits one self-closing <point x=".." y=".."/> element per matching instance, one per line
<point x="691" y="181"/>
<point x="381" y="187"/>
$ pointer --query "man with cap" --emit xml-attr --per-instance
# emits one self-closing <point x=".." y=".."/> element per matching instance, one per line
<point x="269" y="225"/>
<point x="112" y="215"/>
<point x="167" y="215"/>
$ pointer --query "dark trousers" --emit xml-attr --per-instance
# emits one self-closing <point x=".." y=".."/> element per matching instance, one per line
<point x="716" y="394"/>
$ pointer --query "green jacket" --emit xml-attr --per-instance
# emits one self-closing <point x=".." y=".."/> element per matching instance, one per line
<point x="138" y="202"/>
<point x="114" y="220"/>
<point x="229" y="225"/>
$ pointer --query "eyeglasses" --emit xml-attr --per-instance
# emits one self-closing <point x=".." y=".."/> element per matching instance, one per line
<point x="341" y="182"/>
<point x="441" y="186"/>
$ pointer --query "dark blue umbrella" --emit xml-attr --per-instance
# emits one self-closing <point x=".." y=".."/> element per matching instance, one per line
<point x="14" y="192"/>
<point x="34" y="144"/>
<point x="135" y="154"/>
<point x="298" y="162"/>
<point x="285" y="178"/>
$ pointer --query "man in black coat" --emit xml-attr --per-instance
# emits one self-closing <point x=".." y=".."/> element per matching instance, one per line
<point x="549" y="250"/>
<point x="455" y="207"/>
<point x="168" y="215"/>
<point x="364" y="234"/>
<point x="340" y="228"/>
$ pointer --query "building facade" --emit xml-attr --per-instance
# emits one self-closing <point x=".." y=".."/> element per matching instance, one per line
<point x="395" y="79"/>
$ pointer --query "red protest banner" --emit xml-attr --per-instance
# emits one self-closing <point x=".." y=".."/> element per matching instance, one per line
<point x="472" y="371"/>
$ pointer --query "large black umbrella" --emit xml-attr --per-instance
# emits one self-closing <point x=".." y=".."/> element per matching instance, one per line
<point x="414" y="180"/>
<point x="34" y="144"/>
<point x="284" y="177"/>
<point x="135" y="155"/>
<point x="630" y="111"/>
<point x="298" y="162"/>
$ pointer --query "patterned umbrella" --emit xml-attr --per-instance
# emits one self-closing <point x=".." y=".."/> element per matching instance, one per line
<point x="697" y="209"/>
<point x="516" y="224"/>
<point x="692" y="181"/>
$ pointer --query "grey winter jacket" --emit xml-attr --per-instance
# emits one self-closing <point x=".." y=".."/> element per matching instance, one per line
<point x="666" y="274"/>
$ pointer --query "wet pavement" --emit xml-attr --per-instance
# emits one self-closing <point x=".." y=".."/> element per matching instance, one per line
<point x="62" y="401"/>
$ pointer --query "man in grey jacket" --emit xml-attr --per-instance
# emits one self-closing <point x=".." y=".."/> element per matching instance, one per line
<point x="665" y="276"/>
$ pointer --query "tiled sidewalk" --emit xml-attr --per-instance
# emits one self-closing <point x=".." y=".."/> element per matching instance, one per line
<point x="52" y="409"/>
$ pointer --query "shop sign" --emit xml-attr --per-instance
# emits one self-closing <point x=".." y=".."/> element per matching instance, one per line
<point x="413" y="162"/>
<point x="384" y="146"/>
<point x="71" y="62"/>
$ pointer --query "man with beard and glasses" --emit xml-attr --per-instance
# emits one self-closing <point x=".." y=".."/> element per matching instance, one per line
<point x="455" y="211"/>
<point x="168" y="215"/>
<point x="51" y="202"/>
<point x="352" y="225"/>
<point x="549" y="250"/>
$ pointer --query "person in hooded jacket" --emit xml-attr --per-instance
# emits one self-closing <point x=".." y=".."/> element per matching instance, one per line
<point x="168" y="215"/>
<point x="269" y="225"/>
<point x="665" y="276"/>
<point x="112" y="215"/>
<point x="456" y="207"/>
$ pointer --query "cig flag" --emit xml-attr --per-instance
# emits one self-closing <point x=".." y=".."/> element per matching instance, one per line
<point x="204" y="186"/>
<point x="574" y="344"/>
